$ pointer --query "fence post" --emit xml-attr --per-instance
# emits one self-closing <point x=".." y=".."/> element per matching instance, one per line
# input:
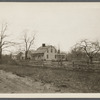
<point x="73" y="63"/>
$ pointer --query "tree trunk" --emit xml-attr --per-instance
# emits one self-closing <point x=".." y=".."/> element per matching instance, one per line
<point x="26" y="53"/>
<point x="0" y="56"/>
<point x="90" y="60"/>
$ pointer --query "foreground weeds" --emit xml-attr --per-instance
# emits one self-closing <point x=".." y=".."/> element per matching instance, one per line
<point x="66" y="80"/>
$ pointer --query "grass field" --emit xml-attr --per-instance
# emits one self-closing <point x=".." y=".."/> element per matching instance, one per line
<point x="66" y="80"/>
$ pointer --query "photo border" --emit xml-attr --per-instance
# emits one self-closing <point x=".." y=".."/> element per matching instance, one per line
<point x="56" y="96"/>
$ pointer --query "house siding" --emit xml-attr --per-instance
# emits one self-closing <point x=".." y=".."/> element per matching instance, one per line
<point x="51" y="55"/>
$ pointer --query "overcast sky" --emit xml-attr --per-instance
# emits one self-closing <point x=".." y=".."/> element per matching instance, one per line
<point x="58" y="24"/>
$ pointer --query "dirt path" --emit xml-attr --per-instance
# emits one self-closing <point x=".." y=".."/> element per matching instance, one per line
<point x="10" y="83"/>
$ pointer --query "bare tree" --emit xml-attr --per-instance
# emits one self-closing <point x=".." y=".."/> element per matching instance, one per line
<point x="28" y="41"/>
<point x="90" y="48"/>
<point x="3" y="40"/>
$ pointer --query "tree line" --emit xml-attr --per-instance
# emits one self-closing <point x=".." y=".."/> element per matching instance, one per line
<point x="84" y="49"/>
<point x="28" y="41"/>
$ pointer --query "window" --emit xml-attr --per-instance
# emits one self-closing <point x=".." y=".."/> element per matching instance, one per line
<point x="55" y="56"/>
<point x="38" y="56"/>
<point x="47" y="56"/>
<point x="47" y="50"/>
<point x="51" y="50"/>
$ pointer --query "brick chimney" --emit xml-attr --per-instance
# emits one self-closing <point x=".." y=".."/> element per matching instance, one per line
<point x="58" y="51"/>
<point x="43" y="45"/>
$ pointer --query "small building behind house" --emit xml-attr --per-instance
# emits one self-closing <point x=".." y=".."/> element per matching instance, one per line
<point x="21" y="55"/>
<point x="14" y="56"/>
<point x="61" y="56"/>
<point x="17" y="55"/>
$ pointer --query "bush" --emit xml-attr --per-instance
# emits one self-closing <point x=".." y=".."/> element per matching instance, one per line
<point x="6" y="59"/>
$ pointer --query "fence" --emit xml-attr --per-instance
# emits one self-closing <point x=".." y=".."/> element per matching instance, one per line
<point x="74" y="65"/>
<point x="83" y="65"/>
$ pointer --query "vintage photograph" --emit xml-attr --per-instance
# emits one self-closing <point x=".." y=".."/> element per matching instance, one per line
<point x="49" y="47"/>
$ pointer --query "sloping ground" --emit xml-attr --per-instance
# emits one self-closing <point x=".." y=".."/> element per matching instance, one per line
<point x="10" y="83"/>
<point x="51" y="80"/>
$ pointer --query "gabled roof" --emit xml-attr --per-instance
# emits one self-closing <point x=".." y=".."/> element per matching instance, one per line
<point x="17" y="52"/>
<point x="21" y="52"/>
<point x="61" y="53"/>
<point x="31" y="51"/>
<point x="43" y="49"/>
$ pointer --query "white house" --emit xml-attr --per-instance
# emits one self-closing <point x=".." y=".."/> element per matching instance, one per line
<point x="45" y="53"/>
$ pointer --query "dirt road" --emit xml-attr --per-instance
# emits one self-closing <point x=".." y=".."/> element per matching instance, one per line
<point x="10" y="83"/>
